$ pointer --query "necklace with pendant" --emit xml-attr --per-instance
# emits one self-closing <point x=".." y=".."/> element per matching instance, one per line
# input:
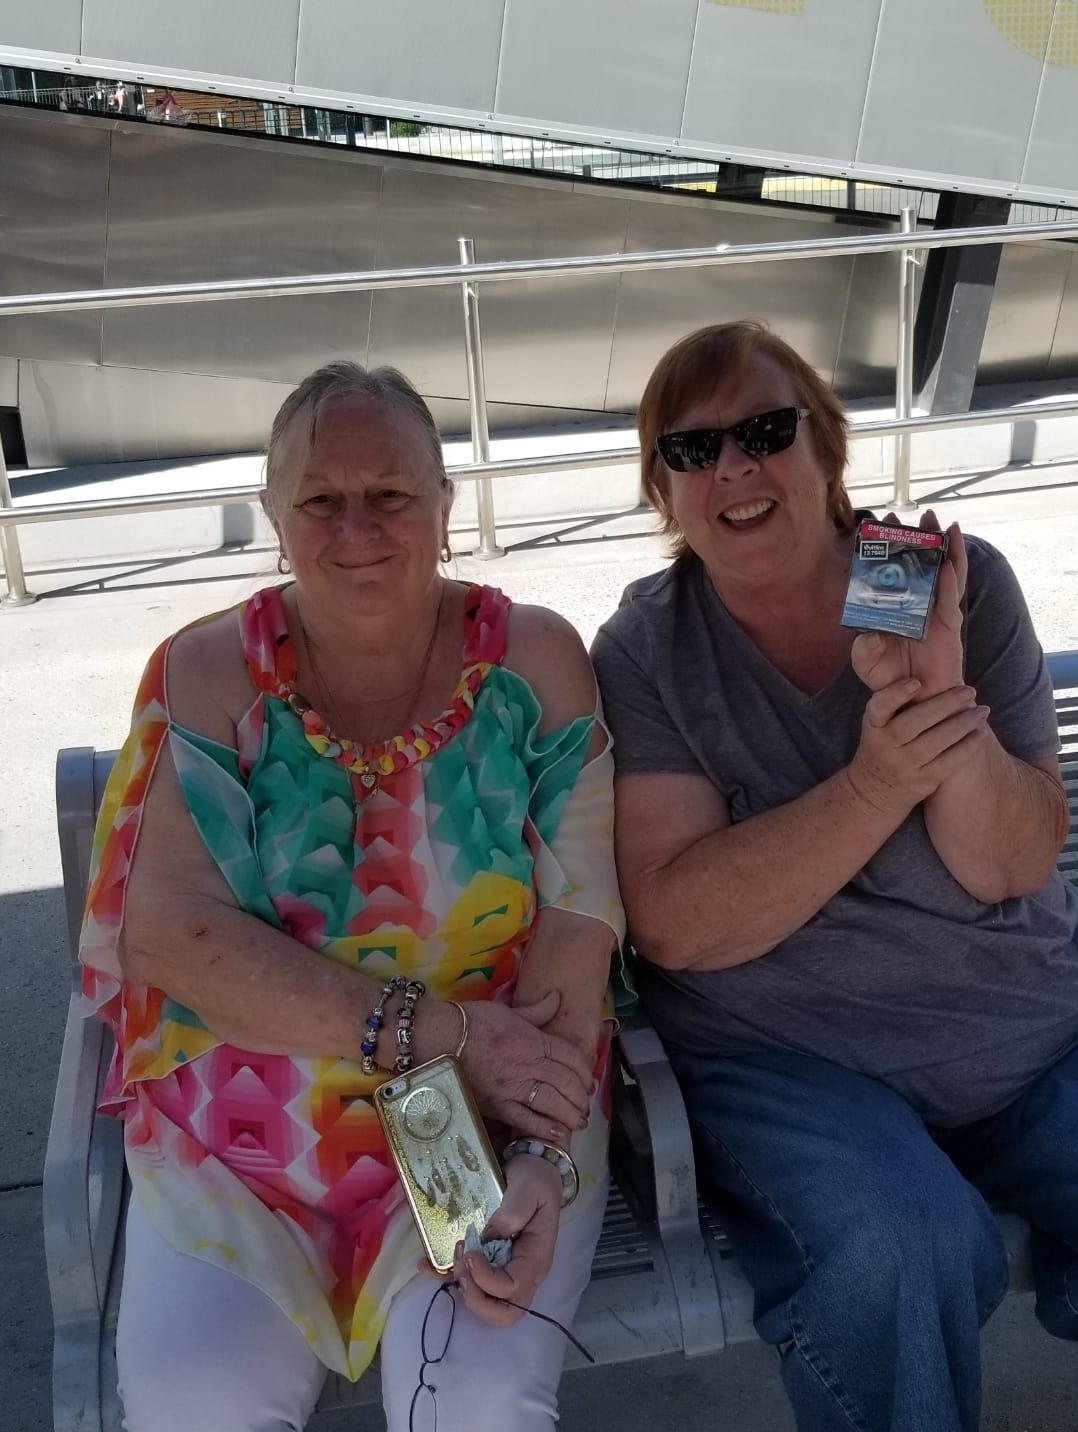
<point x="368" y="774"/>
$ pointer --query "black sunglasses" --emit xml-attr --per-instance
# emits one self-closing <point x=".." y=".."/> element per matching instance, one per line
<point x="760" y="436"/>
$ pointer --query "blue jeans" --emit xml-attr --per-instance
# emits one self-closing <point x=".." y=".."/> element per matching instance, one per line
<point x="867" y="1237"/>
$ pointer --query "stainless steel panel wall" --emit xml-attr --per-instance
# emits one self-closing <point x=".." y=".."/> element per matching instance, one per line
<point x="1025" y="313"/>
<point x="73" y="413"/>
<point x="868" y="348"/>
<point x="804" y="301"/>
<point x="446" y="54"/>
<point x="9" y="382"/>
<point x="240" y="37"/>
<point x="54" y="184"/>
<point x="1064" y="360"/>
<point x="543" y="343"/>
<point x="186" y="207"/>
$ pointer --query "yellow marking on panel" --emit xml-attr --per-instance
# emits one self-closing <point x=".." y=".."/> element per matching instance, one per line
<point x="776" y="7"/>
<point x="1027" y="25"/>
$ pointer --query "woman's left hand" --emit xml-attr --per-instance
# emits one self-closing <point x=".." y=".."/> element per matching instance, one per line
<point x="529" y="1215"/>
<point x="881" y="658"/>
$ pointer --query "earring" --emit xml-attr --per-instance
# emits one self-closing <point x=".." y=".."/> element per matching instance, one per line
<point x="284" y="566"/>
<point x="446" y="553"/>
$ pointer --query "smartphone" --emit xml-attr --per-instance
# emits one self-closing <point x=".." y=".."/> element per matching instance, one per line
<point x="442" y="1153"/>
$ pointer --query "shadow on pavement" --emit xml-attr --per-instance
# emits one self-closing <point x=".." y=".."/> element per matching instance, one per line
<point x="34" y="986"/>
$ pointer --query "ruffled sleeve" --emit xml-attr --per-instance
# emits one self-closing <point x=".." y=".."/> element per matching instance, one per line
<point x="571" y="818"/>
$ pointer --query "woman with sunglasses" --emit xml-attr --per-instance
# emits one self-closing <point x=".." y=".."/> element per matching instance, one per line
<point x="837" y="855"/>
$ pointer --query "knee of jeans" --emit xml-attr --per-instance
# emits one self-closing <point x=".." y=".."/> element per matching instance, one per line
<point x="943" y="1243"/>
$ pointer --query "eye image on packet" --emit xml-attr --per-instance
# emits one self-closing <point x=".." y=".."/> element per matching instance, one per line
<point x="892" y="578"/>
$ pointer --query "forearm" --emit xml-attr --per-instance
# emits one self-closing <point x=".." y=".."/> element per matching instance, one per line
<point x="998" y="824"/>
<point x="738" y="892"/>
<point x="258" y="988"/>
<point x="570" y="954"/>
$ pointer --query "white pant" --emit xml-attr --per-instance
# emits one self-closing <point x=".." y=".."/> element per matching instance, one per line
<point x="199" y="1348"/>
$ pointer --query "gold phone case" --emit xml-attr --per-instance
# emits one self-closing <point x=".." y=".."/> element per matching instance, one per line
<point x="437" y="1140"/>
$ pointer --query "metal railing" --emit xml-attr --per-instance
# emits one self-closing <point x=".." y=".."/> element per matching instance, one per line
<point x="469" y="275"/>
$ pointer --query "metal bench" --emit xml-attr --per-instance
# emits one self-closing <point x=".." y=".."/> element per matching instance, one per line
<point x="663" y="1279"/>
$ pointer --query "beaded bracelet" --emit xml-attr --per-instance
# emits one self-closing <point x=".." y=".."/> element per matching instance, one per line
<point x="374" y="1023"/>
<point x="560" y="1158"/>
<point x="414" y="990"/>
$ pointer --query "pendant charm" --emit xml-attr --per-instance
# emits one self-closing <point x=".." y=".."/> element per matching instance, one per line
<point x="368" y="780"/>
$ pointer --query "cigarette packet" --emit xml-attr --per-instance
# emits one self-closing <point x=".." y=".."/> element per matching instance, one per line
<point x="892" y="578"/>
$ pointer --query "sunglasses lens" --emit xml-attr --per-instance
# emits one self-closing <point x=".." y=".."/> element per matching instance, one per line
<point x="767" y="433"/>
<point x="685" y="452"/>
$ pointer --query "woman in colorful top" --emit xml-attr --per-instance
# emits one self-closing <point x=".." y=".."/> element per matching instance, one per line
<point x="290" y="826"/>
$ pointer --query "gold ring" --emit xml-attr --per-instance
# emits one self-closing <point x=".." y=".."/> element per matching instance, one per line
<point x="535" y="1089"/>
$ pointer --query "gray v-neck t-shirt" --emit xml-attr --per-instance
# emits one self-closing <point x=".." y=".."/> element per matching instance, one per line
<point x="902" y="975"/>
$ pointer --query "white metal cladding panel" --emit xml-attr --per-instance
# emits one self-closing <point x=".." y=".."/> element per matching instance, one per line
<point x="950" y="93"/>
<point x="787" y="80"/>
<point x="255" y="38"/>
<point x="1053" y="151"/>
<point x="429" y="52"/>
<point x="604" y="65"/>
<point x="49" y="25"/>
<point x="938" y="92"/>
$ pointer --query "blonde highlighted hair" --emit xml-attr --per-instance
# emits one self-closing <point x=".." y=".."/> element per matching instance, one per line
<point x="295" y="426"/>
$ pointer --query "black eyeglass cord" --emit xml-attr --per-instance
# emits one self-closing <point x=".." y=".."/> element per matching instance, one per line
<point x="448" y="1287"/>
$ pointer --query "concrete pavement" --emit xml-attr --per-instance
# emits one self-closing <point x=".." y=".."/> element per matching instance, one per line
<point x="70" y="665"/>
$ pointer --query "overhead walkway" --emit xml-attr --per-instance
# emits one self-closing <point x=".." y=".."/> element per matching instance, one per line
<point x="178" y="107"/>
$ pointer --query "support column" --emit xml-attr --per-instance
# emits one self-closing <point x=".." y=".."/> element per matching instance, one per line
<point x="952" y="314"/>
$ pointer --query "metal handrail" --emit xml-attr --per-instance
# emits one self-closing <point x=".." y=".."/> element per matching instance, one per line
<point x="507" y="467"/>
<point x="505" y="270"/>
<point x="469" y="275"/>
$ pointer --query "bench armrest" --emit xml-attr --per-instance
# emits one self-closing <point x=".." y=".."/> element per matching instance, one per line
<point x="677" y="1211"/>
<point x="81" y="1193"/>
<point x="82" y="1187"/>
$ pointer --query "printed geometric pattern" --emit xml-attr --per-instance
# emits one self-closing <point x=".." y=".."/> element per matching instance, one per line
<point x="1041" y="28"/>
<point x="276" y="1167"/>
<point x="1045" y="29"/>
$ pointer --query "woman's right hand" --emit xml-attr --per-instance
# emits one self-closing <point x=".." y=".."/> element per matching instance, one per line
<point x="535" y="1082"/>
<point x="907" y="750"/>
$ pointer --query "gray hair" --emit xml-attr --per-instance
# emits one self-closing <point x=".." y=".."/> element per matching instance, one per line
<point x="293" y="433"/>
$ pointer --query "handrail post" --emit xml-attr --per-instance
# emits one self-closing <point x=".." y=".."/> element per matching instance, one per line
<point x="907" y="262"/>
<point x="477" y="408"/>
<point x="17" y="595"/>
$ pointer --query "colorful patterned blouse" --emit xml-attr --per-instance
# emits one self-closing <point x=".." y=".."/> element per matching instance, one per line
<point x="275" y="1167"/>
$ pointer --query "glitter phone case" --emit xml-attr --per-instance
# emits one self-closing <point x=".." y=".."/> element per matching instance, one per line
<point x="437" y="1141"/>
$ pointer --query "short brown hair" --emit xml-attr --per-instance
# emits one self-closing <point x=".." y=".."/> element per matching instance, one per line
<point x="691" y="370"/>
